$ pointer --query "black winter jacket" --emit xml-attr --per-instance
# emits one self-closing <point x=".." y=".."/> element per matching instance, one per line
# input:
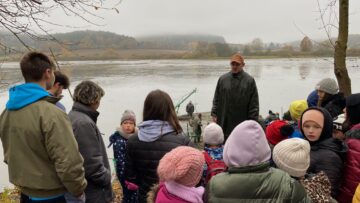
<point x="328" y="156"/>
<point x="235" y="100"/>
<point x="92" y="148"/>
<point x="142" y="159"/>
<point x="335" y="104"/>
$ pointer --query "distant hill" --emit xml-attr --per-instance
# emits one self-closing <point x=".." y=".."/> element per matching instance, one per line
<point x="176" y="42"/>
<point x="96" y="40"/>
<point x="88" y="39"/>
<point x="87" y="44"/>
<point x="74" y="41"/>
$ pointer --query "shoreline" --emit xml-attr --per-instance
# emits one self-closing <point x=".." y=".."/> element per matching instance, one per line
<point x="165" y="55"/>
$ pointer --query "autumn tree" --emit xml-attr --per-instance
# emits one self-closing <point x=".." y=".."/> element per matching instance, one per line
<point x="257" y="44"/>
<point x="306" y="44"/>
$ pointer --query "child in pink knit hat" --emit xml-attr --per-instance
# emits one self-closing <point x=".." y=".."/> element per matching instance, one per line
<point x="179" y="172"/>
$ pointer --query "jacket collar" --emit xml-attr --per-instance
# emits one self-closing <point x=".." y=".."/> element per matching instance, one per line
<point x="52" y="99"/>
<point x="86" y="110"/>
<point x="237" y="75"/>
<point x="353" y="133"/>
<point x="262" y="167"/>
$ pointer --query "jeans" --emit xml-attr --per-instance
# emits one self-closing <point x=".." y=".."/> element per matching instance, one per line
<point x="71" y="199"/>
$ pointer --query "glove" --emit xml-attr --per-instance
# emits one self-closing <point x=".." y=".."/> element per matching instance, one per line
<point x="131" y="186"/>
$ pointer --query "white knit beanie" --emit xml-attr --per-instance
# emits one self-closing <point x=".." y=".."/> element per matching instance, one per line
<point x="328" y="85"/>
<point x="292" y="156"/>
<point x="213" y="134"/>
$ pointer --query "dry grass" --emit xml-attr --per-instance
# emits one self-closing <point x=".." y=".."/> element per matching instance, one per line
<point x="117" y="190"/>
<point x="9" y="195"/>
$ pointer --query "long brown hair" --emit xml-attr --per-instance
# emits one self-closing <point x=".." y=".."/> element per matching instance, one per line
<point x="324" y="100"/>
<point x="159" y="106"/>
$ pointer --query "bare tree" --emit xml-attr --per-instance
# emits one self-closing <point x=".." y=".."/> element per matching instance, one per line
<point x="340" y="69"/>
<point x="29" y="18"/>
<point x="340" y="45"/>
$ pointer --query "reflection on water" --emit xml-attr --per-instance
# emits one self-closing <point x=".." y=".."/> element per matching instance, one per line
<point x="304" y="70"/>
<point x="126" y="84"/>
<point x="255" y="71"/>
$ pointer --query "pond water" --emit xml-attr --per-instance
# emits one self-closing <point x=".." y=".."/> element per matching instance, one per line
<point x="126" y="84"/>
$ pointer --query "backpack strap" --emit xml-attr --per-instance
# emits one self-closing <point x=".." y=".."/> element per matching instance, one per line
<point x="208" y="158"/>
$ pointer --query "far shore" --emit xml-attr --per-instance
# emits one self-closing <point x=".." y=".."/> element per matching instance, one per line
<point x="150" y="54"/>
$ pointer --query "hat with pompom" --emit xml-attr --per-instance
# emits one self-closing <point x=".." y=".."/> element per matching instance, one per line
<point x="277" y="131"/>
<point x="183" y="165"/>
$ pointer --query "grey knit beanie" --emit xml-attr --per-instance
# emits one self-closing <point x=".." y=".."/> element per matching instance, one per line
<point x="328" y="85"/>
<point x="128" y="115"/>
<point x="213" y="134"/>
<point x="292" y="156"/>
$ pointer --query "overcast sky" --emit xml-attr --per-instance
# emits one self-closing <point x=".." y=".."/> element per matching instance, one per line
<point x="238" y="21"/>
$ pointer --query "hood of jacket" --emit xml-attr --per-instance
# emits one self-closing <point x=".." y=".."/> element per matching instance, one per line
<point x="312" y="99"/>
<point x="354" y="132"/>
<point x="337" y="99"/>
<point x="327" y="130"/>
<point x="152" y="130"/>
<point x="25" y="94"/>
<point x="246" y="146"/>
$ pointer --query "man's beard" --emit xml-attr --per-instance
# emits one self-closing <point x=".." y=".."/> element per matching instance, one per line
<point x="50" y="83"/>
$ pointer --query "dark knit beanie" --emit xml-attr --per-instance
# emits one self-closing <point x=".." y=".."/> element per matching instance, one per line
<point x="353" y="108"/>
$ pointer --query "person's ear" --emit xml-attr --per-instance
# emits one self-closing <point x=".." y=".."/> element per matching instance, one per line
<point x="57" y="84"/>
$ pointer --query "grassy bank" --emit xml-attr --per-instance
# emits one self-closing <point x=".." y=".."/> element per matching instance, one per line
<point x="12" y="195"/>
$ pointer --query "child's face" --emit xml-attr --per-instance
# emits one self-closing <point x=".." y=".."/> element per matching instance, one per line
<point x="321" y="94"/>
<point x="312" y="130"/>
<point x="128" y="126"/>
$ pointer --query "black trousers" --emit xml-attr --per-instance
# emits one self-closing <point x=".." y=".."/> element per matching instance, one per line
<point x="25" y="199"/>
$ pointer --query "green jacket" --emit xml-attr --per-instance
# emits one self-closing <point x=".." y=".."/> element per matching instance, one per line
<point x="41" y="151"/>
<point x="259" y="183"/>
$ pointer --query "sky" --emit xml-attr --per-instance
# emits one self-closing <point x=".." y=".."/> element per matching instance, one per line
<point x="238" y="21"/>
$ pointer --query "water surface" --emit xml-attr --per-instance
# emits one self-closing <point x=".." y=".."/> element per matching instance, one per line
<point x="126" y="84"/>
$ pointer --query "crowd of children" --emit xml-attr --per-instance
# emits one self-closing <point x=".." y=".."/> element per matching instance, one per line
<point x="298" y="159"/>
